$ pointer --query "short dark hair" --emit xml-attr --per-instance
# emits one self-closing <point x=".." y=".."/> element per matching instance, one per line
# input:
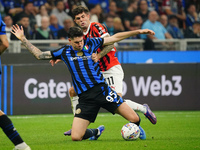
<point x="75" y="32"/>
<point x="109" y="16"/>
<point x="131" y="1"/>
<point x="56" y="2"/>
<point x="134" y="24"/>
<point x="27" y="2"/>
<point x="24" y="16"/>
<point x="79" y="10"/>
<point x="7" y="16"/>
<point x="172" y="17"/>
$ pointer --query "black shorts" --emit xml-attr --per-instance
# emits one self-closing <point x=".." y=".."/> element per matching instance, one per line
<point x="101" y="95"/>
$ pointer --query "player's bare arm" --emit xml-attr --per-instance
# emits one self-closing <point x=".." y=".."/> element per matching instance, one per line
<point x="19" y="33"/>
<point x="123" y="35"/>
<point x="106" y="49"/>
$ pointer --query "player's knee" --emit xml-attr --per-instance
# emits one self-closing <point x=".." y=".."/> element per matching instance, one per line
<point x="72" y="93"/>
<point x="76" y="138"/>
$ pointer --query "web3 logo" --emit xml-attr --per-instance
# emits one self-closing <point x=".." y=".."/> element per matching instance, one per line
<point x="164" y="87"/>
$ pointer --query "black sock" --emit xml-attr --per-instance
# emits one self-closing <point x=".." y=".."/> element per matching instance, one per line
<point x="89" y="133"/>
<point x="138" y="123"/>
<point x="9" y="130"/>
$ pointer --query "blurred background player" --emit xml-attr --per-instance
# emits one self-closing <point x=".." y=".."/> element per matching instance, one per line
<point x="5" y="122"/>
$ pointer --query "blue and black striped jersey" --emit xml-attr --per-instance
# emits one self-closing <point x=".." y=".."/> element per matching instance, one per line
<point x="2" y="32"/>
<point x="84" y="72"/>
<point x="2" y="27"/>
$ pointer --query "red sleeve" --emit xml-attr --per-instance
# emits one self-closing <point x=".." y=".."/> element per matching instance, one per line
<point x="99" y="30"/>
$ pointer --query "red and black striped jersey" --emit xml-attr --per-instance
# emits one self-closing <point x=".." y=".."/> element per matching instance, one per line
<point x="99" y="30"/>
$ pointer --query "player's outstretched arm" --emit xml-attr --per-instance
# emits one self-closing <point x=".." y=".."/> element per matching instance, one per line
<point x="123" y="35"/>
<point x="19" y="33"/>
<point x="106" y="49"/>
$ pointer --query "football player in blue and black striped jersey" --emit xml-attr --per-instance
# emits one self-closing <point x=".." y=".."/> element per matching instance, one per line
<point x="87" y="79"/>
<point x="5" y="122"/>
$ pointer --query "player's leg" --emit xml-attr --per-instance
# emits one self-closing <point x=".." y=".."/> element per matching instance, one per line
<point x="10" y="131"/>
<point x="114" y="77"/>
<point x="80" y="131"/>
<point x="5" y="122"/>
<point x="145" y="109"/>
<point x="74" y="99"/>
<point x="79" y="127"/>
<point x="130" y="115"/>
<point x="115" y="104"/>
<point x="86" y="112"/>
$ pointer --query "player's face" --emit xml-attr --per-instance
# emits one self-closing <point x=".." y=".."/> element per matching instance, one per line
<point x="77" y="43"/>
<point x="83" y="20"/>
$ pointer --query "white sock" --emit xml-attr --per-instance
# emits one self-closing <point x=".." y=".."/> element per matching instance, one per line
<point x="21" y="146"/>
<point x="74" y="102"/>
<point x="136" y="106"/>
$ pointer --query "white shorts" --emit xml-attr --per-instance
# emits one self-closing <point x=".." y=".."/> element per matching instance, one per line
<point x="114" y="77"/>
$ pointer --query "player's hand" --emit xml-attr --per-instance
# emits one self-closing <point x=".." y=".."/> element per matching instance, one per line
<point x="95" y="57"/>
<point x="18" y="31"/>
<point x="146" y="31"/>
<point x="52" y="62"/>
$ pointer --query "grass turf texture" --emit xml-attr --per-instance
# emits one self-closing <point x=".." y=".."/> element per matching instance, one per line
<point x="174" y="130"/>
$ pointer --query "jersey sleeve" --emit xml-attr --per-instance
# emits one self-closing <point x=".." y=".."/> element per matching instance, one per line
<point x="99" y="30"/>
<point x="56" y="54"/>
<point x="96" y="43"/>
<point x="2" y="28"/>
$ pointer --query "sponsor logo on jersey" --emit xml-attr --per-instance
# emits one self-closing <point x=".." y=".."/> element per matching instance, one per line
<point x="80" y="53"/>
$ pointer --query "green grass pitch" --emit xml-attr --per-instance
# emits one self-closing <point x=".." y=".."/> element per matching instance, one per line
<point x="175" y="130"/>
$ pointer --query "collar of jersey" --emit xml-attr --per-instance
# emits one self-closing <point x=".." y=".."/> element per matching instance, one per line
<point x="87" y="29"/>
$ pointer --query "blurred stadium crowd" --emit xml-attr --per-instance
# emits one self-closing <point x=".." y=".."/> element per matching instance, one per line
<point x="51" y="19"/>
